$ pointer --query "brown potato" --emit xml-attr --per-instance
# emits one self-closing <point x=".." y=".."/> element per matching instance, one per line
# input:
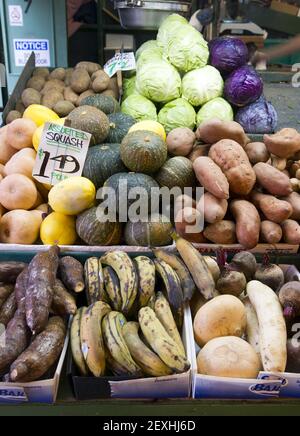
<point x="284" y="143"/>
<point x="51" y="98"/>
<point x="53" y="84"/>
<point x="257" y="152"/>
<point x="69" y="72"/>
<point x="30" y="96"/>
<point x="222" y="232"/>
<point x="91" y="67"/>
<point x="41" y="71"/>
<point x="273" y="180"/>
<point x="291" y="232"/>
<point x="70" y="95"/>
<point x="13" y="115"/>
<point x="180" y="141"/>
<point x="101" y="82"/>
<point x="110" y="93"/>
<point x="294" y="200"/>
<point x="214" y="209"/>
<point x="247" y="222"/>
<point x="63" y="108"/>
<point x="189" y="225"/>
<point x="20" y="107"/>
<point x="270" y="232"/>
<point x="215" y="130"/>
<point x="36" y="82"/>
<point x="83" y="96"/>
<point x="274" y="209"/>
<point x="58" y="73"/>
<point x="80" y="80"/>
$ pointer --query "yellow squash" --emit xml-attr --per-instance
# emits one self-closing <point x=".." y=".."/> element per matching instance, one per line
<point x="152" y="126"/>
<point x="40" y="114"/>
<point x="58" y="229"/>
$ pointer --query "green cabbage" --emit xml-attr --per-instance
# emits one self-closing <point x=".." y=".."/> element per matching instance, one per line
<point x="187" y="50"/>
<point x="202" y="85"/>
<point x="152" y="44"/>
<point x="216" y="108"/>
<point x="168" y="28"/>
<point x="139" y="108"/>
<point x="159" y="81"/>
<point x="129" y="87"/>
<point x="149" y="55"/>
<point x="177" y="113"/>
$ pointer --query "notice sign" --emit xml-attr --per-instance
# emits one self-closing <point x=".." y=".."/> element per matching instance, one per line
<point x="24" y="47"/>
<point x="15" y="14"/>
<point x="120" y="62"/>
<point x="61" y="153"/>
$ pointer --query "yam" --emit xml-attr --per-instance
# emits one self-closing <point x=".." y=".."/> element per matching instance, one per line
<point x="215" y="130"/>
<point x="294" y="200"/>
<point x="222" y="232"/>
<point x="273" y="180"/>
<point x="211" y="177"/>
<point x="9" y="271"/>
<point x="8" y="310"/>
<point x="30" y="96"/>
<point x="63" y="302"/>
<point x="270" y="232"/>
<point x="5" y="292"/>
<point x="284" y="143"/>
<point x="189" y="225"/>
<point x="257" y="152"/>
<point x="199" y="150"/>
<point x="214" y="209"/>
<point x="274" y="209"/>
<point x="247" y="222"/>
<point x="291" y="232"/>
<point x="71" y="274"/>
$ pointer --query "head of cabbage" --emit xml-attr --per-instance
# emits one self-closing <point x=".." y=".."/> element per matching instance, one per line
<point x="139" y="108"/>
<point x="129" y="87"/>
<point x="148" y="45"/>
<point x="158" y="81"/>
<point x="149" y="55"/>
<point x="202" y="85"/>
<point x="168" y="28"/>
<point x="177" y="113"/>
<point x="216" y="108"/>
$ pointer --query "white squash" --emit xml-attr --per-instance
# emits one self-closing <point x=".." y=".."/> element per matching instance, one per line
<point x="252" y="330"/>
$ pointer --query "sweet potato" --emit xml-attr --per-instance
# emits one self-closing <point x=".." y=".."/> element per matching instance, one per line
<point x="20" y="290"/>
<point x="274" y="209"/>
<point x="257" y="152"/>
<point x="294" y="200"/>
<point x="214" y="209"/>
<point x="5" y="292"/>
<point x="180" y="141"/>
<point x="234" y="163"/>
<point x="273" y="180"/>
<point x="71" y="273"/>
<point x="189" y="225"/>
<point x="270" y="232"/>
<point x="63" y="302"/>
<point x="211" y="177"/>
<point x="8" y="309"/>
<point x="247" y="222"/>
<point x="291" y="232"/>
<point x="215" y="130"/>
<point x="199" y="150"/>
<point x="278" y="162"/>
<point x="284" y="143"/>
<point x="42" y="353"/>
<point x="9" y="271"/>
<point x="222" y="232"/>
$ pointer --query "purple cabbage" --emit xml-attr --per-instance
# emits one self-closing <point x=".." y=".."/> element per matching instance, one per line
<point x="227" y="54"/>
<point x="258" y="117"/>
<point x="243" y="86"/>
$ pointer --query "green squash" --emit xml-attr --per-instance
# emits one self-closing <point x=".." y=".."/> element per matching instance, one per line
<point x="119" y="126"/>
<point x="143" y="151"/>
<point x="104" y="103"/>
<point x="154" y="233"/>
<point x="102" y="161"/>
<point x="177" y="172"/>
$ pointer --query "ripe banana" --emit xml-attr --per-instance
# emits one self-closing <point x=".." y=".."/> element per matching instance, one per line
<point x="150" y="363"/>
<point x="146" y="279"/>
<point x="92" y="345"/>
<point x="112" y="331"/>
<point x="76" y="342"/>
<point x="116" y="368"/>
<point x="112" y="287"/>
<point x="160" y="342"/>
<point x="171" y="282"/>
<point x="187" y="283"/>
<point x="197" y="266"/>
<point x="94" y="281"/>
<point x="123" y="266"/>
<point x="164" y="314"/>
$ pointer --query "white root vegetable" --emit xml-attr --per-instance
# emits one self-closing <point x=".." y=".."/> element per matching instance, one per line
<point x="252" y="329"/>
<point x="272" y="327"/>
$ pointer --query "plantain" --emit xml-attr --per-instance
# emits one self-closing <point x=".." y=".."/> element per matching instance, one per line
<point x="92" y="345"/>
<point x="151" y="302"/>
<point x="76" y="342"/>
<point x="187" y="283"/>
<point x="116" y="368"/>
<point x="197" y="266"/>
<point x="150" y="363"/>
<point x="94" y="281"/>
<point x="112" y="287"/>
<point x="146" y="279"/>
<point x="171" y="282"/>
<point x="123" y="266"/>
<point x="162" y="343"/>
<point x="115" y="343"/>
<point x="164" y="314"/>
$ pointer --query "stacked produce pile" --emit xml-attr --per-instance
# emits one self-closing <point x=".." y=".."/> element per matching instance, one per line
<point x="249" y="327"/>
<point x="33" y="306"/>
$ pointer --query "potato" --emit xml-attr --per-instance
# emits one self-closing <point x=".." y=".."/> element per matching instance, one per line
<point x="91" y="67"/>
<point x="284" y="143"/>
<point x="53" y="84"/>
<point x="41" y="71"/>
<point x="274" y="209"/>
<point x="215" y="130"/>
<point x="80" y="80"/>
<point x="69" y="72"/>
<point x="6" y="151"/>
<point x="214" y="209"/>
<point x="247" y="222"/>
<point x="273" y="180"/>
<point x="234" y="163"/>
<point x="83" y="96"/>
<point x="20" y="107"/>
<point x="20" y="132"/>
<point x="13" y="115"/>
<point x="51" y="98"/>
<point x="257" y="152"/>
<point x="97" y="74"/>
<point x="291" y="232"/>
<point x="294" y="200"/>
<point x="20" y="227"/>
<point x="30" y="96"/>
<point x="63" y="108"/>
<point x="229" y="357"/>
<point x="70" y="95"/>
<point x="21" y="163"/>
<point x="17" y="192"/>
<point x="180" y="141"/>
<point x="224" y="315"/>
<point x="222" y="232"/>
<point x="199" y="150"/>
<point x="101" y="82"/>
<point x="58" y="73"/>
<point x="110" y="93"/>
<point x="36" y="82"/>
<point x="270" y="232"/>
<point x="189" y="225"/>
<point x="211" y="177"/>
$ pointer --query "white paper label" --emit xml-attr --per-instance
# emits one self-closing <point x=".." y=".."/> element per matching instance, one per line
<point x="15" y="14"/>
<point x="120" y="62"/>
<point x="61" y="153"/>
<point x="24" y="47"/>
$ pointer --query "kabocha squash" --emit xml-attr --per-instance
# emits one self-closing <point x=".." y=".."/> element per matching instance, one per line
<point x="176" y="172"/>
<point x="119" y="124"/>
<point x="105" y="103"/>
<point x="143" y="151"/>
<point x="95" y="232"/>
<point x="103" y="161"/>
<point x="90" y="120"/>
<point x="155" y="232"/>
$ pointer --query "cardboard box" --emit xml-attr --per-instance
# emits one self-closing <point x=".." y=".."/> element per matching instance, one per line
<point x="281" y="6"/>
<point x="173" y="386"/>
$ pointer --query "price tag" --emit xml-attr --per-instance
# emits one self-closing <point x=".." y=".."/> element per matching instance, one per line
<point x="120" y="62"/>
<point x="61" y="153"/>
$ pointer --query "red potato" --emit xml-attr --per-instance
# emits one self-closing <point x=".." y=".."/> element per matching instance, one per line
<point x="20" y="132"/>
<point x="294" y="200"/>
<point x="273" y="180"/>
<point x="222" y="232"/>
<point x="215" y="130"/>
<point x="189" y="225"/>
<point x="211" y="177"/>
<point x="274" y="209"/>
<point x="270" y="232"/>
<point x="247" y="222"/>
<point x="291" y="232"/>
<point x="234" y="163"/>
<point x="6" y="151"/>
<point x="257" y="152"/>
<point x="284" y="143"/>
<point x="199" y="150"/>
<point x="214" y="209"/>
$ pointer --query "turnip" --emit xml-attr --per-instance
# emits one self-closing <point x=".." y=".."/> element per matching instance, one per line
<point x="270" y="275"/>
<point x="231" y="282"/>
<point x="293" y="350"/>
<point x="289" y="297"/>
<point x="246" y="263"/>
